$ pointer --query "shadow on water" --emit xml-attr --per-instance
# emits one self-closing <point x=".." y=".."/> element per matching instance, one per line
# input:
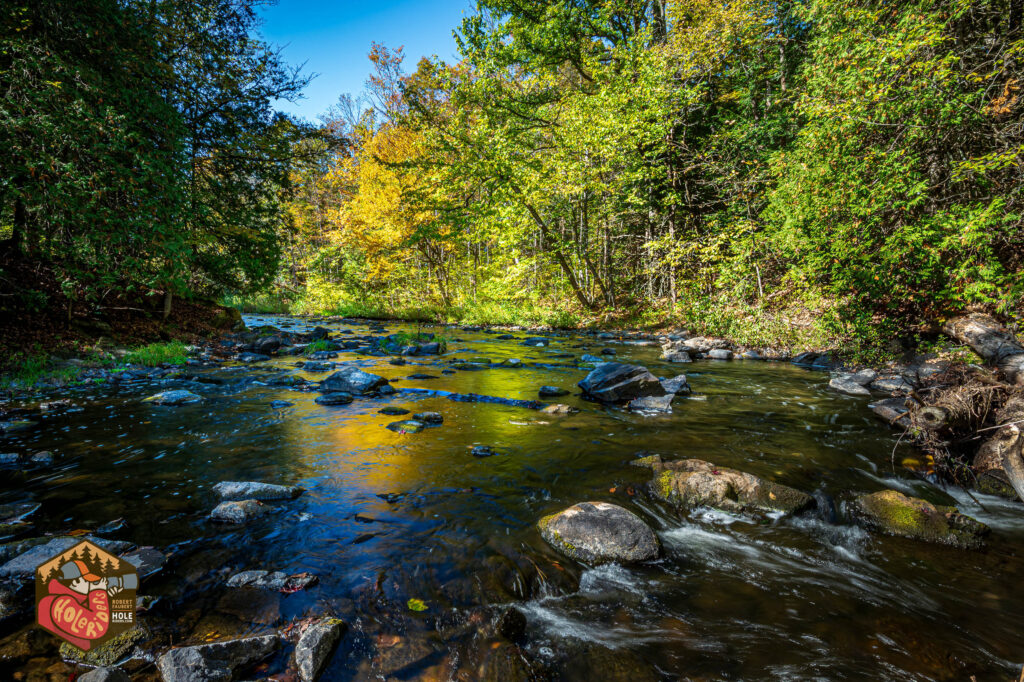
<point x="387" y="517"/>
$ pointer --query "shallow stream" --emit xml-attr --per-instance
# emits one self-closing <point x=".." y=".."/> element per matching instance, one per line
<point x="387" y="517"/>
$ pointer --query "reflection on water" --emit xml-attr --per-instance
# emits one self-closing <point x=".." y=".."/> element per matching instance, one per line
<point x="387" y="517"/>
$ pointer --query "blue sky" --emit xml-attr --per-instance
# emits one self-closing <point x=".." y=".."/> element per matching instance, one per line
<point x="332" y="38"/>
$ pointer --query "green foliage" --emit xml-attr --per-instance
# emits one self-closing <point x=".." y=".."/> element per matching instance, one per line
<point x="30" y="369"/>
<point x="316" y="346"/>
<point x="170" y="353"/>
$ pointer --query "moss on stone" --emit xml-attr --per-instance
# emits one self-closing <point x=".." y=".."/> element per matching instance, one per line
<point x="108" y="653"/>
<point x="894" y="513"/>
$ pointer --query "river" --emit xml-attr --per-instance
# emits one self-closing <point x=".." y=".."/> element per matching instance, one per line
<point x="388" y="517"/>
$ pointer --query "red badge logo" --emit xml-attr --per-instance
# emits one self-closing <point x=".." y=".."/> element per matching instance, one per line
<point x="86" y="595"/>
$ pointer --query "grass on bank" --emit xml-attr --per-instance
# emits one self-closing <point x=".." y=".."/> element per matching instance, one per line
<point x="35" y="368"/>
<point x="170" y="353"/>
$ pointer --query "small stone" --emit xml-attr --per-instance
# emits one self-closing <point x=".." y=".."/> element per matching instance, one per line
<point x="652" y="404"/>
<point x="252" y="357"/>
<point x="512" y="624"/>
<point x="483" y="451"/>
<point x="720" y="354"/>
<point x="280" y="404"/>
<point x="551" y="392"/>
<point x="429" y="418"/>
<point x="406" y="426"/>
<point x="316" y="646"/>
<point x="104" y="675"/>
<point x="393" y="411"/>
<point x="174" y="398"/>
<point x="559" y="408"/>
<point x="239" y="511"/>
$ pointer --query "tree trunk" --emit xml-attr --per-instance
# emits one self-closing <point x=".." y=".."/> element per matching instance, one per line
<point x="168" y="297"/>
<point x="562" y="262"/>
<point x="1002" y="454"/>
<point x="991" y="341"/>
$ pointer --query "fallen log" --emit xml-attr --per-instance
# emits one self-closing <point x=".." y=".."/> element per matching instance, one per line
<point x="991" y="341"/>
<point x="1002" y="456"/>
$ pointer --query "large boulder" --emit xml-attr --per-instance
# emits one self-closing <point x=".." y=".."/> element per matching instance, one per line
<point x="599" y="532"/>
<point x="316" y="646"/>
<point x="216" y="662"/>
<point x="254" y="490"/>
<point x="352" y="380"/>
<point x="845" y="384"/>
<point x="696" y="483"/>
<point x="893" y="513"/>
<point x="614" y="382"/>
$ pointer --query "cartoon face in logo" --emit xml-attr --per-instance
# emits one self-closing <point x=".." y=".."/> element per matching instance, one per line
<point x="85" y="595"/>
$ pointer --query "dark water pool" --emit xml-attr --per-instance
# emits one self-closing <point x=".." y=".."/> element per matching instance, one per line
<point x="388" y="517"/>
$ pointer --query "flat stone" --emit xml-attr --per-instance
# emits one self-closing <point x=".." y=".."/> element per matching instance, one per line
<point x="892" y="384"/>
<point x="334" y="398"/>
<point x="692" y="483"/>
<point x="276" y="581"/>
<point x="559" y="408"/>
<point x="108" y="653"/>
<point x="599" y="532"/>
<point x="239" y="511"/>
<point x="24" y="565"/>
<point x="893" y="513"/>
<point x="844" y="384"/>
<point x="720" y="354"/>
<point x="652" y="404"/>
<point x="146" y="560"/>
<point x="316" y="646"/>
<point x="393" y="411"/>
<point x="429" y="418"/>
<point x="255" y="490"/>
<point x="177" y="397"/>
<point x="551" y="392"/>
<point x="677" y="385"/>
<point x="104" y="675"/>
<point x="216" y="662"/>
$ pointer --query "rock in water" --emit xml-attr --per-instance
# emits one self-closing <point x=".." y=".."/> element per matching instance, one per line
<point x="352" y="380"/>
<point x="406" y="426"/>
<point x="652" y="404"/>
<point x="217" y="662"/>
<point x="551" y="392"/>
<point x="720" y="354"/>
<point x="254" y="490"/>
<point x="695" y="483"/>
<point x="316" y="646"/>
<point x="104" y="675"/>
<point x="844" y="384"/>
<point x="599" y="532"/>
<point x="393" y="411"/>
<point x="334" y="398"/>
<point x="614" y="382"/>
<point x="677" y="385"/>
<point x="429" y="418"/>
<point x="893" y="513"/>
<point x="179" y="397"/>
<point x="239" y="512"/>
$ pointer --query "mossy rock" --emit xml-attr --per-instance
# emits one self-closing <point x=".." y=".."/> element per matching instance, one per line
<point x="227" y="318"/>
<point x="695" y="483"/>
<point x="599" y="532"/>
<point x="110" y="652"/>
<point x="893" y="513"/>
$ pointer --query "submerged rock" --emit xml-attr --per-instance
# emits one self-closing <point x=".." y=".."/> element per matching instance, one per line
<point x="216" y="662"/>
<point x="276" y="581"/>
<point x="406" y="426"/>
<point x="254" y="490"/>
<point x="658" y="403"/>
<point x="352" y="380"/>
<point x="893" y="513"/>
<point x="393" y="411"/>
<point x="108" y="653"/>
<point x="695" y="483"/>
<point x="316" y="646"/>
<point x="252" y="357"/>
<point x="559" y="408"/>
<point x="678" y="356"/>
<point x="429" y="418"/>
<point x="178" y="397"/>
<point x="892" y="410"/>
<point x="33" y="552"/>
<point x="599" y="532"/>
<point x="483" y="451"/>
<point x="334" y="398"/>
<point x="615" y="382"/>
<point x="551" y="392"/>
<point x="239" y="511"/>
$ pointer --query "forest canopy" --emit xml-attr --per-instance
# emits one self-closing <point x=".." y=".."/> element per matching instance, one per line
<point x="782" y="171"/>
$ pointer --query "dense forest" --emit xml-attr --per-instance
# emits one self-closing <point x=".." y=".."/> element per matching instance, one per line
<point x="781" y="172"/>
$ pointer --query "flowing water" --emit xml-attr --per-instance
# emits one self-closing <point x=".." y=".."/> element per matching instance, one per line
<point x="387" y="517"/>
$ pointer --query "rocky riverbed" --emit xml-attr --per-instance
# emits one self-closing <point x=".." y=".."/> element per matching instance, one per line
<point x="346" y="499"/>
